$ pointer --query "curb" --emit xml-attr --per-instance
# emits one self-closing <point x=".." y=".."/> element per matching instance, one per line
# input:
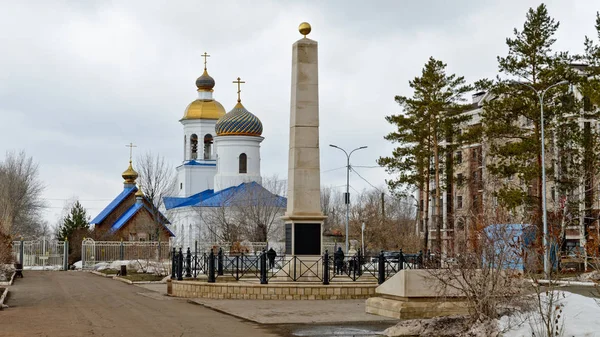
<point x="3" y="297"/>
<point x="137" y="282"/>
<point x="102" y="274"/>
<point x="12" y="280"/>
<point x="122" y="280"/>
<point x="568" y="283"/>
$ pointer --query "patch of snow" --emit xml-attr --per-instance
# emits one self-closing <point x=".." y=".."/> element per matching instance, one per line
<point x="78" y="265"/>
<point x="581" y="318"/>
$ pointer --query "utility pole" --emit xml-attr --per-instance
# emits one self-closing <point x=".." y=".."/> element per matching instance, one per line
<point x="347" y="195"/>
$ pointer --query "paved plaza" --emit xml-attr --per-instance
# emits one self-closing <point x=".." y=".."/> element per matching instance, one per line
<point x="82" y="304"/>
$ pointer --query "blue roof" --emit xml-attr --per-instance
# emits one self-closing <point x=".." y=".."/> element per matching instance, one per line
<point x="121" y="221"/>
<point x="116" y="202"/>
<point x="197" y="163"/>
<point x="243" y="194"/>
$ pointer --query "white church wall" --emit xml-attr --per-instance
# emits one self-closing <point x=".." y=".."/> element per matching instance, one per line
<point x="192" y="179"/>
<point x="229" y="149"/>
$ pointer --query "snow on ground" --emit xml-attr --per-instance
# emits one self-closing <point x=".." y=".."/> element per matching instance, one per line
<point x="581" y="318"/>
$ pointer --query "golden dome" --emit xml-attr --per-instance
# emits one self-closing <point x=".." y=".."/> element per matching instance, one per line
<point x="304" y="28"/>
<point x="139" y="192"/>
<point x="204" y="109"/>
<point x="130" y="175"/>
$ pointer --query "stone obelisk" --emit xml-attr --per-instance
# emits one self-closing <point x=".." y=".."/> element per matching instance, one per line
<point x="304" y="219"/>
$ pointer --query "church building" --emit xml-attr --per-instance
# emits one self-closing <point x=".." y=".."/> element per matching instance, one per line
<point x="221" y="163"/>
<point x="130" y="216"/>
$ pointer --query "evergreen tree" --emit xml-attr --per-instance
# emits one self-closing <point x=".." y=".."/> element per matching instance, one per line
<point x="512" y="120"/>
<point x="76" y="219"/>
<point x="427" y="130"/>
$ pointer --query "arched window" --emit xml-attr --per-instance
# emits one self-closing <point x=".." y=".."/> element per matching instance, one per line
<point x="194" y="146"/>
<point x="243" y="163"/>
<point x="208" y="140"/>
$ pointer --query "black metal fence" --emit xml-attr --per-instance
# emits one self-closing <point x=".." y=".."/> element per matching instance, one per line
<point x="265" y="266"/>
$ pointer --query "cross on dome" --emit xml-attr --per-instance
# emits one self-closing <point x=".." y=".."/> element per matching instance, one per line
<point x="205" y="55"/>
<point x="239" y="82"/>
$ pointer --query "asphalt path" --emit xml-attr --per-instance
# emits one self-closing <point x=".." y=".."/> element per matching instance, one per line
<point x="82" y="304"/>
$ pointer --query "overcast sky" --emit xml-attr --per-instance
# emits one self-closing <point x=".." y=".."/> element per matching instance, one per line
<point x="80" y="79"/>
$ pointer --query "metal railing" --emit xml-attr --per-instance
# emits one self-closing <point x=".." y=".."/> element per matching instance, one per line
<point x="267" y="267"/>
<point x="43" y="252"/>
<point x="93" y="252"/>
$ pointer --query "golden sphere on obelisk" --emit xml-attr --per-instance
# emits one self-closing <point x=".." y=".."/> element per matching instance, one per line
<point x="304" y="28"/>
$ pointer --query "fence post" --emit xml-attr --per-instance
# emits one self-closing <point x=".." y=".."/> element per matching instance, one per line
<point x="195" y="258"/>
<point x="326" y="268"/>
<point x="173" y="263"/>
<point x="220" y="262"/>
<point x="420" y="259"/>
<point x="66" y="255"/>
<point x="188" y="263"/>
<point x="180" y="265"/>
<point x="381" y="268"/>
<point x="211" y="267"/>
<point x="122" y="251"/>
<point x="263" y="267"/>
<point x="21" y="249"/>
<point x="401" y="260"/>
<point x="237" y="267"/>
<point x="360" y="259"/>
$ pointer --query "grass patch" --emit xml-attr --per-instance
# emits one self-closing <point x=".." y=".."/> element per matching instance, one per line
<point x="137" y="277"/>
<point x="108" y="271"/>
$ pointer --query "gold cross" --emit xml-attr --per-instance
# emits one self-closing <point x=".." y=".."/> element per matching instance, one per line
<point x="130" y="146"/>
<point x="205" y="55"/>
<point x="239" y="88"/>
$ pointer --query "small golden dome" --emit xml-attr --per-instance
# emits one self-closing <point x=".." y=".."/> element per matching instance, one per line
<point x="130" y="175"/>
<point x="139" y="192"/>
<point x="204" y="109"/>
<point x="304" y="28"/>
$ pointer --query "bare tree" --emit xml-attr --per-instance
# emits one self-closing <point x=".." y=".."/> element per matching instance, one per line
<point x="157" y="180"/>
<point x="20" y="195"/>
<point x="219" y="223"/>
<point x="260" y="208"/>
<point x="332" y="205"/>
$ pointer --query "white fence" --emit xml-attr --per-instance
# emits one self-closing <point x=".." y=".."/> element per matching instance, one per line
<point x="93" y="252"/>
<point x="42" y="253"/>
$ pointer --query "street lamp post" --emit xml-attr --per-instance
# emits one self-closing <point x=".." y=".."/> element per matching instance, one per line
<point x="362" y="237"/>
<point x="540" y="95"/>
<point x="347" y="197"/>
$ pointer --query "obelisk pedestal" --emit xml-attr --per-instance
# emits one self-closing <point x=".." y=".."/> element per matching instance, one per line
<point x="304" y="219"/>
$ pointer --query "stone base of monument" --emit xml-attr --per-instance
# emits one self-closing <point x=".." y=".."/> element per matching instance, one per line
<point x="414" y="294"/>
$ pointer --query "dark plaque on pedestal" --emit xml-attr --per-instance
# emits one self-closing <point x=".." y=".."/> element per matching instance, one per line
<point x="307" y="239"/>
<point x="288" y="238"/>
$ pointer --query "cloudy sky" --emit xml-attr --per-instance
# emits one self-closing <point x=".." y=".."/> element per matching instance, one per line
<point x="80" y="79"/>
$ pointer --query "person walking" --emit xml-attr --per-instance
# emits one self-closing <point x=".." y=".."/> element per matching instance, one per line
<point x="338" y="261"/>
<point x="271" y="255"/>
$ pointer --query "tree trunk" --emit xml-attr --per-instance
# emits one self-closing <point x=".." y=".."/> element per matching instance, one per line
<point x="438" y="204"/>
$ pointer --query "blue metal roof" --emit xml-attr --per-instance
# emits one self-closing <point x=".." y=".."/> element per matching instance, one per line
<point x="197" y="163"/>
<point x="243" y="194"/>
<point x="113" y="204"/>
<point x="126" y="216"/>
<point x="121" y="221"/>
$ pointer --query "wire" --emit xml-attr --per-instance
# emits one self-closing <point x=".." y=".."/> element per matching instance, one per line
<point x="361" y="177"/>
<point x="376" y="166"/>
<point x="333" y="169"/>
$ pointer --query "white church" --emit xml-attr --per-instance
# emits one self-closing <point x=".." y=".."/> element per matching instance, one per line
<point x="221" y="162"/>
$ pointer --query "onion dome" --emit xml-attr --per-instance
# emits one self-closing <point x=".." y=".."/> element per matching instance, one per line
<point x="239" y="122"/>
<point x="130" y="175"/>
<point x="205" y="82"/>
<point x="204" y="109"/>
<point x="139" y="192"/>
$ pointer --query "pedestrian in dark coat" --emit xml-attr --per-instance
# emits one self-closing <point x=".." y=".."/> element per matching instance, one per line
<point x="338" y="260"/>
<point x="271" y="255"/>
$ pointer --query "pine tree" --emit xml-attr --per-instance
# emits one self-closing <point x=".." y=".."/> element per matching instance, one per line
<point x="512" y="120"/>
<point x="72" y="222"/>
<point x="427" y="130"/>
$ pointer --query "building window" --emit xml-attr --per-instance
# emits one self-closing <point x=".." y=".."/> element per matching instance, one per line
<point x="458" y="157"/>
<point x="243" y="163"/>
<point x="459" y="179"/>
<point x="208" y="140"/>
<point x="194" y="146"/>
<point x="180" y="186"/>
<point x="459" y="202"/>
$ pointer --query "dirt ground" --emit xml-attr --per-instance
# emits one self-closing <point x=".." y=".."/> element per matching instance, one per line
<point x="81" y="304"/>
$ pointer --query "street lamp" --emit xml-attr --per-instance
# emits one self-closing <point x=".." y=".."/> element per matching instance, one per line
<point x="362" y="237"/>
<point x="540" y="95"/>
<point x="347" y="196"/>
